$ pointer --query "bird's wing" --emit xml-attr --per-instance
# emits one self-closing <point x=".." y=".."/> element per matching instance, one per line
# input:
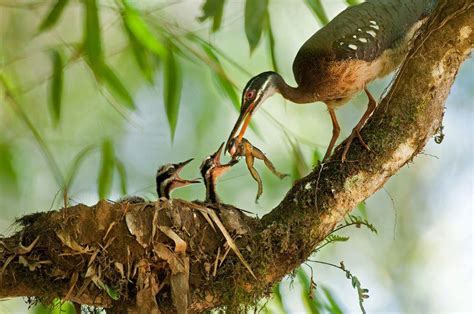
<point x="365" y="31"/>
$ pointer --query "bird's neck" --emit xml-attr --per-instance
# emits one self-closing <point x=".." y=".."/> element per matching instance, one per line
<point x="293" y="94"/>
<point x="211" y="194"/>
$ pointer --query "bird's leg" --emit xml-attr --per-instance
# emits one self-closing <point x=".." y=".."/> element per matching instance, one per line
<point x="356" y="131"/>
<point x="249" y="160"/>
<point x="257" y="153"/>
<point x="335" y="133"/>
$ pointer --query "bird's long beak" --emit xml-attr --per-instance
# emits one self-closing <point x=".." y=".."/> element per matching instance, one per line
<point x="242" y="123"/>
<point x="181" y="181"/>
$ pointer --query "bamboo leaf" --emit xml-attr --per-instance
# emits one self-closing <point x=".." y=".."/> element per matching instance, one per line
<point x="142" y="57"/>
<point x="8" y="172"/>
<point x="213" y="9"/>
<point x="116" y="87"/>
<point x="56" y="91"/>
<point x="311" y="305"/>
<point x="106" y="171"/>
<point x="332" y="307"/>
<point x="255" y="16"/>
<point x="53" y="16"/>
<point x="317" y="157"/>
<point x="172" y="78"/>
<point x="352" y="2"/>
<point x="278" y="298"/>
<point x="76" y="163"/>
<point x="122" y="176"/>
<point x="140" y="30"/>
<point x="318" y="10"/>
<point x="222" y="79"/>
<point x="92" y="41"/>
<point x="271" y="44"/>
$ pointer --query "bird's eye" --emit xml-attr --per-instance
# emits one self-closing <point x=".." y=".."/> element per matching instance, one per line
<point x="250" y="94"/>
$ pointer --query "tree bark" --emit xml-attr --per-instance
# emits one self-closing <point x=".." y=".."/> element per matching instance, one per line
<point x="171" y="255"/>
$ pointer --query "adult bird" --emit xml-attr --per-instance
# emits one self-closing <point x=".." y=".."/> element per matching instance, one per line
<point x="362" y="43"/>
<point x="167" y="178"/>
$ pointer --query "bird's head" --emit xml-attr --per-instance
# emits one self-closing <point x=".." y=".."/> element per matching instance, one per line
<point x="257" y="90"/>
<point x="211" y="167"/>
<point x="168" y="175"/>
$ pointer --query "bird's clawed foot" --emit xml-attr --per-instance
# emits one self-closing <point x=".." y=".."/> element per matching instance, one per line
<point x="355" y="134"/>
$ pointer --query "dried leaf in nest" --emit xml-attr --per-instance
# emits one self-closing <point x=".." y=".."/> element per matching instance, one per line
<point x="179" y="278"/>
<point x="244" y="148"/>
<point x="148" y="288"/>
<point x="32" y="265"/>
<point x="23" y="250"/>
<point x="180" y="244"/>
<point x="68" y="241"/>
<point x="227" y="236"/>
<point x="139" y="225"/>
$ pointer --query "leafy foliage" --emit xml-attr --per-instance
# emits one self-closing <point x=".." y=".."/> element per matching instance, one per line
<point x="331" y="239"/>
<point x="56" y="86"/>
<point x="318" y="10"/>
<point x="361" y="292"/>
<point x="222" y="80"/>
<point x="173" y="81"/>
<point x="255" y="16"/>
<point x="140" y="31"/>
<point x="106" y="170"/>
<point x="213" y="9"/>
<point x="53" y="16"/>
<point x="316" y="303"/>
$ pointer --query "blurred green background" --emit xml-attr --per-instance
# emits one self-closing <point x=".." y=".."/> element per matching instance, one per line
<point x="94" y="92"/>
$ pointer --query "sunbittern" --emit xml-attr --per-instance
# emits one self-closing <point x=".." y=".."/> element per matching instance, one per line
<point x="245" y="149"/>
<point x="168" y="179"/>
<point x="211" y="170"/>
<point x="362" y="43"/>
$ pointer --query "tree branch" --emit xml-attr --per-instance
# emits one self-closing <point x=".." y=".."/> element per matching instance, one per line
<point x="91" y="255"/>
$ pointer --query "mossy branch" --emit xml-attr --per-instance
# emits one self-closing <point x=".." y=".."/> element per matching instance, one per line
<point x="167" y="256"/>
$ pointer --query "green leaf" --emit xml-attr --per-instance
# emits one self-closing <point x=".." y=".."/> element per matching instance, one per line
<point x="271" y="44"/>
<point x="58" y="306"/>
<point x="362" y="206"/>
<point x="332" y="307"/>
<point x="222" y="79"/>
<point x="53" y="15"/>
<point x="172" y="78"/>
<point x="56" y="87"/>
<point x="278" y="298"/>
<point x="318" y="10"/>
<point x="213" y="9"/>
<point x="8" y="172"/>
<point x="300" y="167"/>
<point x="106" y="169"/>
<point x="76" y="163"/>
<point x="140" y="30"/>
<point x="317" y="157"/>
<point x="116" y="87"/>
<point x="142" y="57"/>
<point x="311" y="304"/>
<point x="352" y="2"/>
<point x="92" y="41"/>
<point x="255" y="17"/>
<point x="122" y="176"/>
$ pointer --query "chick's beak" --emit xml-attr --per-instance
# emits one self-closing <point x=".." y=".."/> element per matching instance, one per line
<point x="217" y="155"/>
<point x="181" y="181"/>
